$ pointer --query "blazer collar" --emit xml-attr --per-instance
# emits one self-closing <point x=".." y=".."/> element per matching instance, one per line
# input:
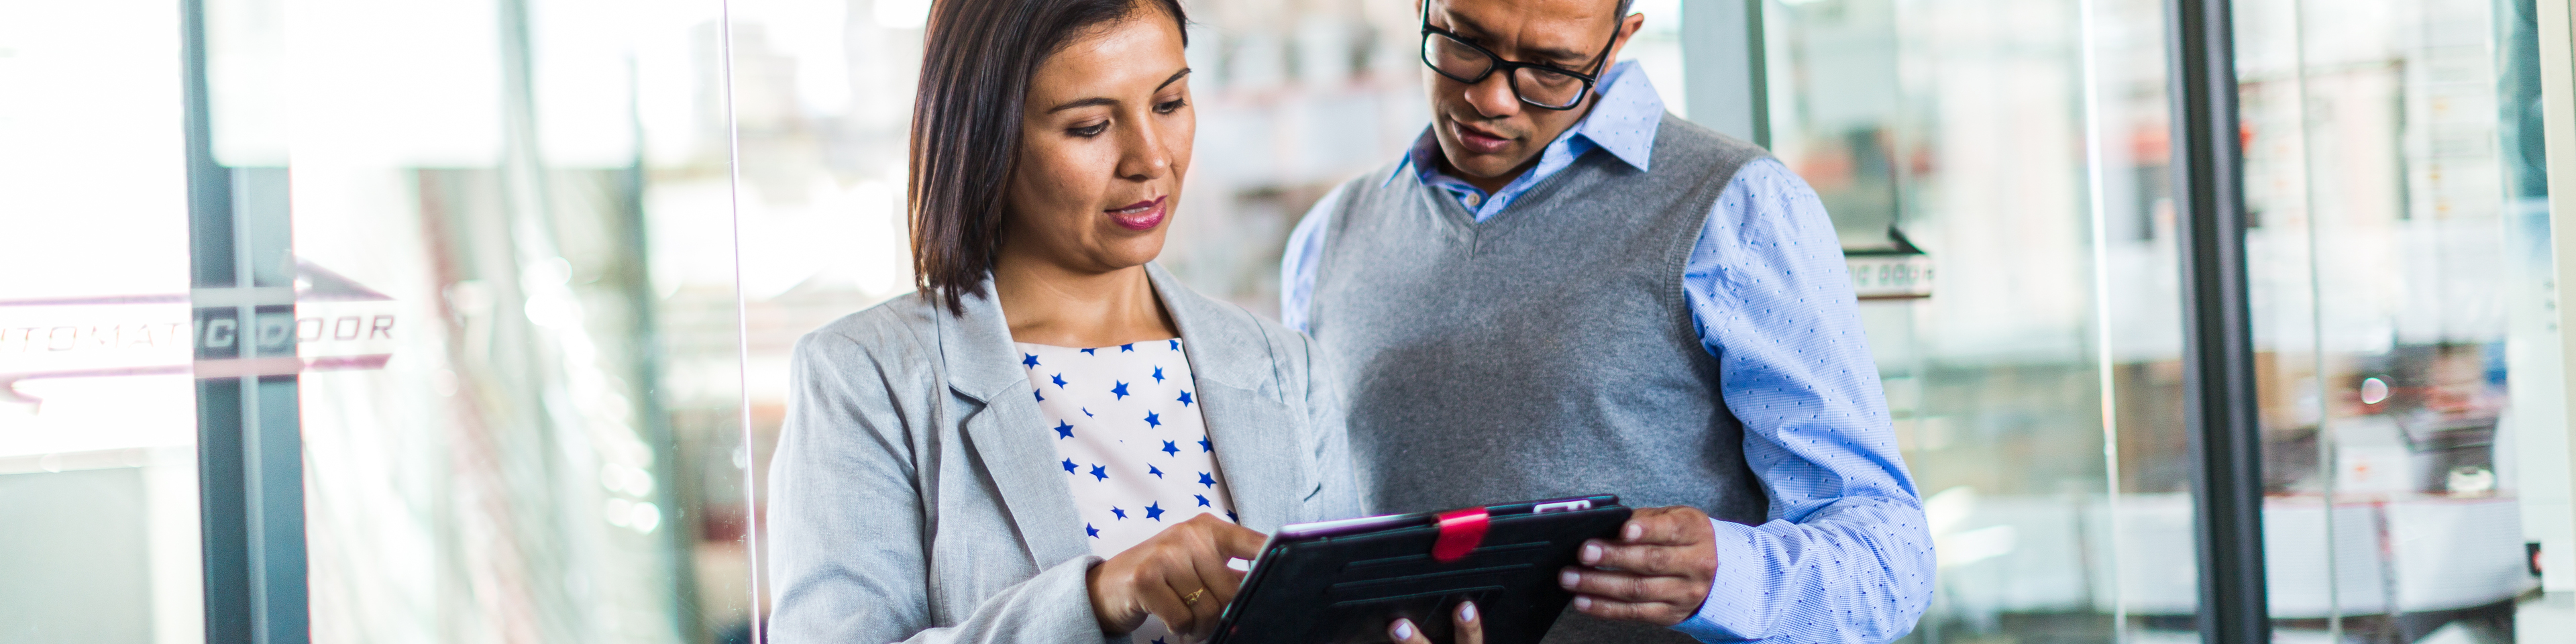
<point x="1236" y="361"/>
<point x="1232" y="357"/>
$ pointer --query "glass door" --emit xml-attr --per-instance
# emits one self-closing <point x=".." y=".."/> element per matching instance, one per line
<point x="98" y="431"/>
<point x="2415" y="457"/>
<point x="2406" y="353"/>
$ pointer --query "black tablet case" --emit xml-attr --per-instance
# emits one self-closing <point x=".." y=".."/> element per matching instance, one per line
<point x="1347" y="588"/>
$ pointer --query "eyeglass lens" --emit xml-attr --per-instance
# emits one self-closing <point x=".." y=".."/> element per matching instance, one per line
<point x="1466" y="64"/>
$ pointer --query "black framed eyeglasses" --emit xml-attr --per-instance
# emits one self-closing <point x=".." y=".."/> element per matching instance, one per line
<point x="1541" y="86"/>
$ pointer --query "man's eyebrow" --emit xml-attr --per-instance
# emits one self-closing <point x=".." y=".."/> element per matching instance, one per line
<point x="1464" y="26"/>
<point x="1104" y="100"/>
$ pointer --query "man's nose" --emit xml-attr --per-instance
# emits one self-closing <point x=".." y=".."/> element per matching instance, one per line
<point x="1493" y="98"/>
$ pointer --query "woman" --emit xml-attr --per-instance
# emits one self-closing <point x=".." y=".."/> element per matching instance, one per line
<point x="1054" y="441"/>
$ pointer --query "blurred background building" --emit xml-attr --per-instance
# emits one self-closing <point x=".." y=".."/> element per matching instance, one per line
<point x="548" y="257"/>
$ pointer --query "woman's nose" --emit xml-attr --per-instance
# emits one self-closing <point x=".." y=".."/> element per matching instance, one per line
<point x="1144" y="157"/>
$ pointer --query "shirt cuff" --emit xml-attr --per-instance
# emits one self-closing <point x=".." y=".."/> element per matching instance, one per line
<point x="1735" y="594"/>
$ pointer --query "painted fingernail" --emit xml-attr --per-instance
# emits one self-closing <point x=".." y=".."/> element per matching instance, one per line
<point x="1466" y="611"/>
<point x="1591" y="553"/>
<point x="1582" y="602"/>
<point x="1403" y="630"/>
<point x="1568" y="579"/>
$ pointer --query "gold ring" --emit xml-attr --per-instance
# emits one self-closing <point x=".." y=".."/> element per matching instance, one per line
<point x="1193" y="598"/>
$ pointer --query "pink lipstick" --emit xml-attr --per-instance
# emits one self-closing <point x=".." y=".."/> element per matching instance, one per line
<point x="1142" y="215"/>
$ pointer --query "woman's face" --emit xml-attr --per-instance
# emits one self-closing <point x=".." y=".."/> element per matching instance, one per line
<point x="1103" y="144"/>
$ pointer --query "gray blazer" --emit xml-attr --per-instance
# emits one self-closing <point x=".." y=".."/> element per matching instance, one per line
<point x="914" y="496"/>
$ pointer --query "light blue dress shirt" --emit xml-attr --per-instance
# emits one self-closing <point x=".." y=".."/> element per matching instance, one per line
<point x="1845" y="556"/>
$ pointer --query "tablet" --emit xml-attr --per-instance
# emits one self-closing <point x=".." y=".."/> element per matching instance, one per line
<point x="1338" y="582"/>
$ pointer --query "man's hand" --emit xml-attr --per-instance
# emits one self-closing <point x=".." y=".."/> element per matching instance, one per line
<point x="1464" y="629"/>
<point x="1658" y="572"/>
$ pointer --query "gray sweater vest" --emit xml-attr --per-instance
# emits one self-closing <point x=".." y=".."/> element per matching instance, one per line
<point x="1546" y="352"/>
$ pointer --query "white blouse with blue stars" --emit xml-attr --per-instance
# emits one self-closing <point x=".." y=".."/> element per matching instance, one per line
<point x="1130" y="439"/>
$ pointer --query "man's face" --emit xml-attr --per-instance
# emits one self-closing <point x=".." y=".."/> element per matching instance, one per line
<point x="1485" y="131"/>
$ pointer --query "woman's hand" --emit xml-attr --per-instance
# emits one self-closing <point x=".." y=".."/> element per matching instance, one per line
<point x="1469" y="630"/>
<point x="1179" y="575"/>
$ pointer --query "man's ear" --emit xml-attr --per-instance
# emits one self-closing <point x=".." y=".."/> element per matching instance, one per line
<point x="1627" y="29"/>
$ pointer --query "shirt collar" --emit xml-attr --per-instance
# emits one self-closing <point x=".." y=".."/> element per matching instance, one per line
<point x="1623" y="121"/>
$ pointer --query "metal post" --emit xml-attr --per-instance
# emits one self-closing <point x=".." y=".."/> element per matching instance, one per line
<point x="2218" y="354"/>
<point x="249" y="449"/>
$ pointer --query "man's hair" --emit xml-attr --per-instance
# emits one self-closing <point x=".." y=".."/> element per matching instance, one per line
<point x="977" y="60"/>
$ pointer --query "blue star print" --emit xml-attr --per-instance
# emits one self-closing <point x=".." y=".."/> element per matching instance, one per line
<point x="1159" y="485"/>
<point x="1229" y="516"/>
<point x="1040" y="394"/>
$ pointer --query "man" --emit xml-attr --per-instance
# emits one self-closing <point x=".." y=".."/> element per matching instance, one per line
<point x="1563" y="290"/>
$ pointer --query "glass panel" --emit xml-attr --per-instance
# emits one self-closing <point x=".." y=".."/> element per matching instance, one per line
<point x="1996" y="171"/>
<point x="514" y="309"/>
<point x="98" y="478"/>
<point x="1306" y="95"/>
<point x="2415" y="442"/>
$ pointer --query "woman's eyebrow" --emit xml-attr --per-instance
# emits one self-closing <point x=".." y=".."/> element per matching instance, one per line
<point x="1087" y="102"/>
<point x="1104" y="100"/>
<point x="1176" y="77"/>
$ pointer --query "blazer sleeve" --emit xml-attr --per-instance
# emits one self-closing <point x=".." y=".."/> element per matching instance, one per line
<point x="846" y="519"/>
<point x="1328" y="420"/>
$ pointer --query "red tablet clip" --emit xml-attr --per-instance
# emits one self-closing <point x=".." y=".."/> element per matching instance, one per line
<point x="1460" y="532"/>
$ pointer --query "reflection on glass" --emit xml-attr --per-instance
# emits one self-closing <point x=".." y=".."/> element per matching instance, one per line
<point x="2414" y="447"/>
<point x="98" y="479"/>
<point x="515" y="310"/>
<point x="1995" y="170"/>
<point x="2400" y="260"/>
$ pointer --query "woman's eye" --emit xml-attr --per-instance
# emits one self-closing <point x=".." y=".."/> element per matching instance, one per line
<point x="1170" y="106"/>
<point x="1089" y="131"/>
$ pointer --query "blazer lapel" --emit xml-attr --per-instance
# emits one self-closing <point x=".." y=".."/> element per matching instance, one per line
<point x="1257" y="435"/>
<point x="982" y="364"/>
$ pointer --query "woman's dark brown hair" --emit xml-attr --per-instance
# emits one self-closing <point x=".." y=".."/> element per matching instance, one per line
<point x="975" y="70"/>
